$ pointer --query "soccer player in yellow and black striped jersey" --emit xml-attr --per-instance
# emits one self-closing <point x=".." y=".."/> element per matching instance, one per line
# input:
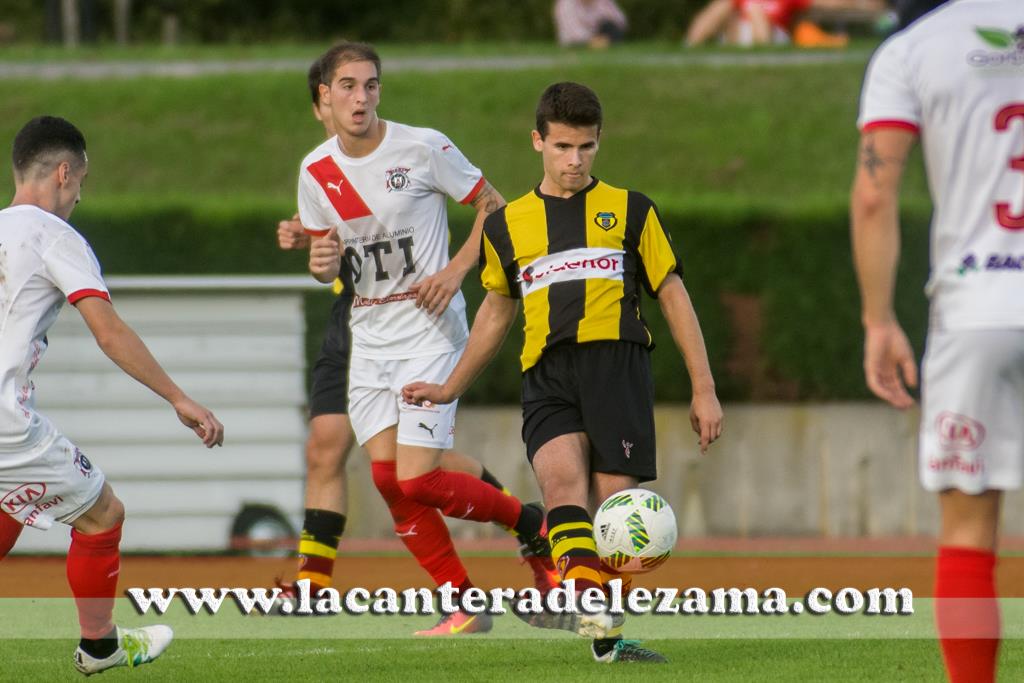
<point x="578" y="252"/>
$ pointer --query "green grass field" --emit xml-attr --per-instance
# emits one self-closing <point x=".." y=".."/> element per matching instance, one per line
<point x="684" y="133"/>
<point x="476" y="659"/>
<point x="717" y="648"/>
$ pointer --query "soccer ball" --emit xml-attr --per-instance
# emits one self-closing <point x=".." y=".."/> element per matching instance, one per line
<point x="635" y="531"/>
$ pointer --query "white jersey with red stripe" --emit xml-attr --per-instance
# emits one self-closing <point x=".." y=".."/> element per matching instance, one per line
<point x="43" y="262"/>
<point x="957" y="78"/>
<point x="390" y="209"/>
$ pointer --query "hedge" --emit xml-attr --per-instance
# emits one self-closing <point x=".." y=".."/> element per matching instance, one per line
<point x="773" y="287"/>
<point x="420" y="21"/>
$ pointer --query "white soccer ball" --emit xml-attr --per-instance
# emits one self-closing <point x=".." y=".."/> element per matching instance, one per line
<point x="635" y="530"/>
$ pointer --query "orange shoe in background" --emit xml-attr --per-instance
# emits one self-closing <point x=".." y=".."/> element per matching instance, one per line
<point x="809" y="34"/>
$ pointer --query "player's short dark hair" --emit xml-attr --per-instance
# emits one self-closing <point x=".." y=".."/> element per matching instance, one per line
<point x="572" y="104"/>
<point x="313" y="78"/>
<point x="344" y="52"/>
<point x="44" y="137"/>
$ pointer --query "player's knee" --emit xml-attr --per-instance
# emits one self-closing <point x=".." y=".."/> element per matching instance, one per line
<point x="114" y="513"/>
<point x="422" y="489"/>
<point x="325" y="460"/>
<point x="386" y="481"/>
<point x="327" y="452"/>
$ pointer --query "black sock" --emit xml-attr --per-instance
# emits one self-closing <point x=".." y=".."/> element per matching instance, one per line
<point x="490" y="479"/>
<point x="529" y="522"/>
<point x="603" y="646"/>
<point x="323" y="526"/>
<point x="100" y="648"/>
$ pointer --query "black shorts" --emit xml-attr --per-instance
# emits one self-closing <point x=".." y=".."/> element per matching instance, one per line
<point x="603" y="389"/>
<point x="328" y="394"/>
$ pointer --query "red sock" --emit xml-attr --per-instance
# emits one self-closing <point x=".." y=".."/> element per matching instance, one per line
<point x="968" y="629"/>
<point x="421" y="528"/>
<point x="457" y="494"/>
<point x="10" y="529"/>
<point x="94" y="561"/>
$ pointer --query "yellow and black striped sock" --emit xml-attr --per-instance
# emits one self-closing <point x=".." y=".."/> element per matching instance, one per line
<point x="488" y="478"/>
<point x="573" y="550"/>
<point x="318" y="546"/>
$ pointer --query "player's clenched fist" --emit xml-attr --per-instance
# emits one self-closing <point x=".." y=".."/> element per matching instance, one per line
<point x="325" y="256"/>
<point x="291" y="235"/>
<point x="424" y="393"/>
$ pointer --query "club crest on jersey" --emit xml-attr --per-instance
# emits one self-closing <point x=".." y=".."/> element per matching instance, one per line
<point x="606" y="220"/>
<point x="396" y="179"/>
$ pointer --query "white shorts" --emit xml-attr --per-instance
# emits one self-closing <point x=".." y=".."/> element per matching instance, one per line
<point x="972" y="417"/>
<point x="375" y="400"/>
<point x="52" y="481"/>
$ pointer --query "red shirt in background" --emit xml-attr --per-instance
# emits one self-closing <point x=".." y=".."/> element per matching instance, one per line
<point x="779" y="12"/>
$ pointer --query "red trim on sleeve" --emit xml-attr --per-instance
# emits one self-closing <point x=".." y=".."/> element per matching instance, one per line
<point x="315" y="233"/>
<point x="891" y="123"/>
<point x="76" y="296"/>
<point x="475" y="191"/>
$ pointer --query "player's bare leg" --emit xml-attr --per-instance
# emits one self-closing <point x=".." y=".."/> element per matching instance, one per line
<point x="967" y="612"/>
<point x="612" y="648"/>
<point x="327" y="449"/>
<point x="93" y="565"/>
<point x="562" y="466"/>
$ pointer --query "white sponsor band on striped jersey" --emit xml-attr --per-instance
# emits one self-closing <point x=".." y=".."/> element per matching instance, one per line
<point x="572" y="264"/>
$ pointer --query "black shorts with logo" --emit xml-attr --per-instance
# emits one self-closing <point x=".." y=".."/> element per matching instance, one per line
<point x="328" y="394"/>
<point x="603" y="389"/>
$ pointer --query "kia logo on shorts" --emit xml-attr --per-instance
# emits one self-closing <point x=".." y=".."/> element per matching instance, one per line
<point x="21" y="497"/>
<point x="959" y="431"/>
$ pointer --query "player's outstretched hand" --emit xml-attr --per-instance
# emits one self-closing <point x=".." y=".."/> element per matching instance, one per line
<point x="434" y="293"/>
<point x="889" y="365"/>
<point x="291" y="235"/>
<point x="325" y="256"/>
<point x="706" y="418"/>
<point x="201" y="421"/>
<point x="422" y="393"/>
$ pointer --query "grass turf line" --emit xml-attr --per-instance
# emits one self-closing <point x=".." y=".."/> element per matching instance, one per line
<point x="473" y="659"/>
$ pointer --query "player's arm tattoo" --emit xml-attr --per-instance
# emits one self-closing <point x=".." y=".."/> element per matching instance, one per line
<point x="874" y="162"/>
<point x="488" y="200"/>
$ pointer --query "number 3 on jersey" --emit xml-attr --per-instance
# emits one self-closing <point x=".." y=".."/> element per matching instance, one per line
<point x="1004" y="215"/>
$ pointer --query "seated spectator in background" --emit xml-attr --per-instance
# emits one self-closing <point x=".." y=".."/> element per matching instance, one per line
<point x="771" y="22"/>
<point x="594" y="23"/>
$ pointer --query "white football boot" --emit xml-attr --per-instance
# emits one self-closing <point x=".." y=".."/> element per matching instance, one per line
<point x="135" y="646"/>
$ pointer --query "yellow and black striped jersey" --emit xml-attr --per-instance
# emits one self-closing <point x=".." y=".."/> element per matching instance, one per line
<point x="578" y="264"/>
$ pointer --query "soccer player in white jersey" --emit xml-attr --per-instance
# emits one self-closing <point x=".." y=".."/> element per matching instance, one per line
<point x="330" y="433"/>
<point x="955" y="79"/>
<point x="43" y="476"/>
<point x="376" y="196"/>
